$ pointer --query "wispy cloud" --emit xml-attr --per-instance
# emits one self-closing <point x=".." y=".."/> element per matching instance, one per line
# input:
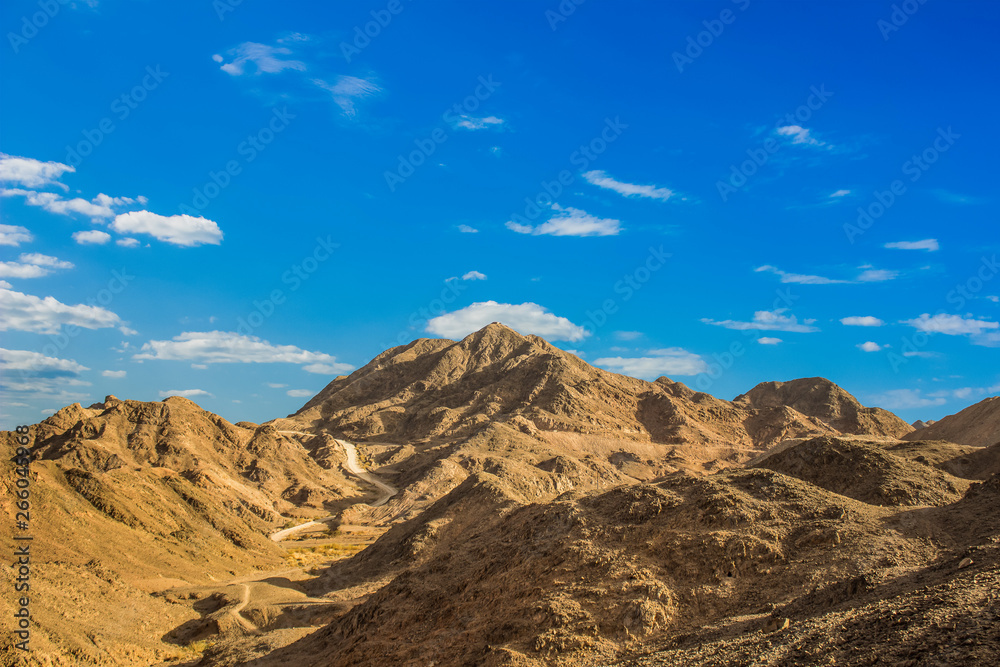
<point x="466" y="229"/>
<point x="465" y="122"/>
<point x="861" y="321"/>
<point x="222" y="347"/>
<point x="870" y="346"/>
<point x="866" y="276"/>
<point x="570" y="222"/>
<point x="840" y="193"/>
<point x="904" y="399"/>
<point x="602" y="180"/>
<point x="263" y="58"/>
<point x="768" y="320"/>
<point x="348" y="90"/>
<point x="669" y="361"/>
<point x="929" y="245"/>
<point x="799" y="135"/>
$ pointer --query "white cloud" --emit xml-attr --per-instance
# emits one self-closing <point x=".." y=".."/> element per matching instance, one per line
<point x="877" y="275"/>
<point x="115" y="375"/>
<point x="127" y="242"/>
<point x="870" y="275"/>
<point x="951" y="325"/>
<point x="13" y="235"/>
<point x="929" y="245"/>
<point x="904" y="399"/>
<point x="347" y="90"/>
<point x="266" y="59"/>
<point x="16" y="270"/>
<point x="5" y="285"/>
<point x="33" y="375"/>
<point x="473" y="123"/>
<point x="276" y="385"/>
<point x="128" y="331"/>
<point x="32" y="173"/>
<point x="603" y="180"/>
<point x="799" y="135"/>
<point x="26" y="312"/>
<point x="466" y="229"/>
<point x="91" y="237"/>
<point x="222" y="347"/>
<point x="869" y="346"/>
<point x="799" y="278"/>
<point x="628" y="335"/>
<point x="527" y="318"/>
<point x="840" y="193"/>
<point x="186" y="393"/>
<point x="768" y="320"/>
<point x="100" y="208"/>
<point x="328" y="369"/>
<point x="570" y="222"/>
<point x="861" y="321"/>
<point x="32" y="265"/>
<point x="474" y="275"/>
<point x="670" y="361"/>
<point x="994" y="299"/>
<point x="181" y="230"/>
<point x="36" y="363"/>
<point x="299" y="393"/>
<point x="767" y="340"/>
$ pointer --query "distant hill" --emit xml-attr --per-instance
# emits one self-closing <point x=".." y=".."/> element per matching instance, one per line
<point x="977" y="425"/>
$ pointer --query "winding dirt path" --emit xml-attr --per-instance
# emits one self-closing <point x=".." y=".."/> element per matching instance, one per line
<point x="387" y="490"/>
<point x="235" y="611"/>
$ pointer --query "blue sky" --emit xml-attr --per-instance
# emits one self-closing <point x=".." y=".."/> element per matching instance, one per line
<point x="238" y="201"/>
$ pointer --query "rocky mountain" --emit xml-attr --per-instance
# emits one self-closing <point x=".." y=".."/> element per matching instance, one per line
<point x="439" y="390"/>
<point x="977" y="425"/>
<point x="547" y="513"/>
<point x="132" y="497"/>
<point x="822" y="399"/>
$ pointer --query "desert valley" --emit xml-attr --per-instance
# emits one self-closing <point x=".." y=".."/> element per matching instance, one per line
<point x="499" y="501"/>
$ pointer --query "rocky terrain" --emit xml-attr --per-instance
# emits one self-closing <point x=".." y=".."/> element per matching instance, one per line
<point x="547" y="513"/>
